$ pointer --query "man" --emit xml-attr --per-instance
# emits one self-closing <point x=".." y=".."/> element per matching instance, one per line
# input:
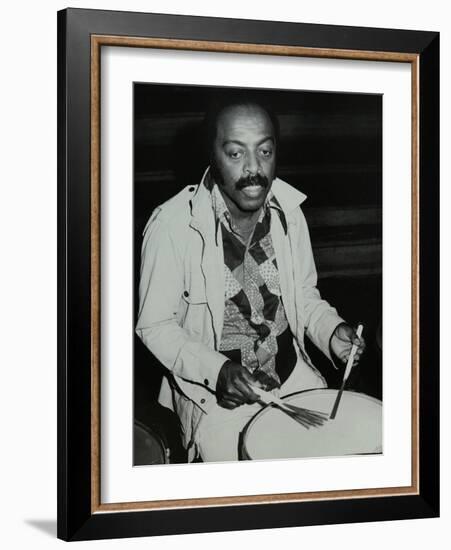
<point x="228" y="288"/>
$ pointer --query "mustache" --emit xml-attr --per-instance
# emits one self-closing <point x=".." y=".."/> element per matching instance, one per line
<point x="257" y="179"/>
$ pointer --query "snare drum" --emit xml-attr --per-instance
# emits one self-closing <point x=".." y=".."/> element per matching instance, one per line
<point x="356" y="429"/>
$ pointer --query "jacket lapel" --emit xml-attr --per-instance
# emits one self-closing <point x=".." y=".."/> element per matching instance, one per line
<point x="289" y="199"/>
<point x="281" y="246"/>
<point x="212" y="261"/>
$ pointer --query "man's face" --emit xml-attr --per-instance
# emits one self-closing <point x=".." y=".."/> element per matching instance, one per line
<point x="244" y="157"/>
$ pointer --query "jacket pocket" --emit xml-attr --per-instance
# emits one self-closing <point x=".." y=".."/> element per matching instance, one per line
<point x="195" y="309"/>
<point x="195" y="295"/>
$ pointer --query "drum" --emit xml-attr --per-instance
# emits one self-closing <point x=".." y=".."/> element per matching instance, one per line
<point x="149" y="447"/>
<point x="356" y="429"/>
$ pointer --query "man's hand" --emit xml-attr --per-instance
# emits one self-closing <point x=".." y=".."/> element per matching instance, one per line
<point x="341" y="341"/>
<point x="233" y="387"/>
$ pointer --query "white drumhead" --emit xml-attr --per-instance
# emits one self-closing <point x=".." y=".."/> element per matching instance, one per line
<point x="356" y="429"/>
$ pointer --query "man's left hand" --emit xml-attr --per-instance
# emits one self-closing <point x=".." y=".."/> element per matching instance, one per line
<point x="341" y="341"/>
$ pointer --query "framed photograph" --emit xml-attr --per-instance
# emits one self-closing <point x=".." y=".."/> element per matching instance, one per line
<point x="248" y="274"/>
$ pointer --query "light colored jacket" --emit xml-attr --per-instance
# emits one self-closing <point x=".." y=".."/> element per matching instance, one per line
<point x="181" y="295"/>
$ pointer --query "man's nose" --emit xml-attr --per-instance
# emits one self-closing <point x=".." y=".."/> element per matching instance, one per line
<point x="251" y="166"/>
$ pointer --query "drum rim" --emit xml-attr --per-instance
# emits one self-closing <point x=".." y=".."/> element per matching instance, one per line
<point x="244" y="452"/>
<point x="360" y="394"/>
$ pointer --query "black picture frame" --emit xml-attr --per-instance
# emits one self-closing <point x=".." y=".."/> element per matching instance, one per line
<point x="79" y="517"/>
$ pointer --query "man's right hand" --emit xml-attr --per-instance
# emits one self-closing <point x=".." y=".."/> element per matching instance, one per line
<point x="234" y="385"/>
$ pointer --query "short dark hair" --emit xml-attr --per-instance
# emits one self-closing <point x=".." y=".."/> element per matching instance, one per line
<point x="220" y="104"/>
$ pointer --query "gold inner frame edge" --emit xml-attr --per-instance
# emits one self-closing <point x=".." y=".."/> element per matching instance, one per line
<point x="97" y="41"/>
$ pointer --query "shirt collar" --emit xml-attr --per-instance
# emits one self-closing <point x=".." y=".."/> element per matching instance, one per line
<point x="287" y="196"/>
<point x="221" y="210"/>
<point x="282" y="198"/>
<point x="222" y="214"/>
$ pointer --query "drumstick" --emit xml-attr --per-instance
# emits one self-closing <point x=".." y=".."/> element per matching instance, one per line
<point x="306" y="417"/>
<point x="349" y="366"/>
<point x="268" y="397"/>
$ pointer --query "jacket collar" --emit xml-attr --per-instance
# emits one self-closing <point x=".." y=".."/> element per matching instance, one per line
<point x="287" y="196"/>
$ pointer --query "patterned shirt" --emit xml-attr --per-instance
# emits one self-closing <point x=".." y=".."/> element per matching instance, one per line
<point x="254" y="316"/>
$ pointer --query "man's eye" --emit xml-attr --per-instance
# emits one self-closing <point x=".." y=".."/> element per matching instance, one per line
<point x="266" y="153"/>
<point x="235" y="154"/>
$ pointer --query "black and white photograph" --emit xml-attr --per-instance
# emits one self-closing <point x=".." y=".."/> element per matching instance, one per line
<point x="225" y="256"/>
<point x="257" y="274"/>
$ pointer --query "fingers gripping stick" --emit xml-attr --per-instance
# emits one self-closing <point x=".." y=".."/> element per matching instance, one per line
<point x="348" y="369"/>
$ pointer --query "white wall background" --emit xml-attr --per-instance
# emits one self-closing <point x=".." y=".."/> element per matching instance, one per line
<point x="28" y="272"/>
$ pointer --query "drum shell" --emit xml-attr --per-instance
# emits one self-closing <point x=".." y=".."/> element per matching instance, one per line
<point x="319" y="399"/>
<point x="149" y="447"/>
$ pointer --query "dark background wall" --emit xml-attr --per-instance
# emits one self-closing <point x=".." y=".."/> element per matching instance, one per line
<point x="331" y="149"/>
